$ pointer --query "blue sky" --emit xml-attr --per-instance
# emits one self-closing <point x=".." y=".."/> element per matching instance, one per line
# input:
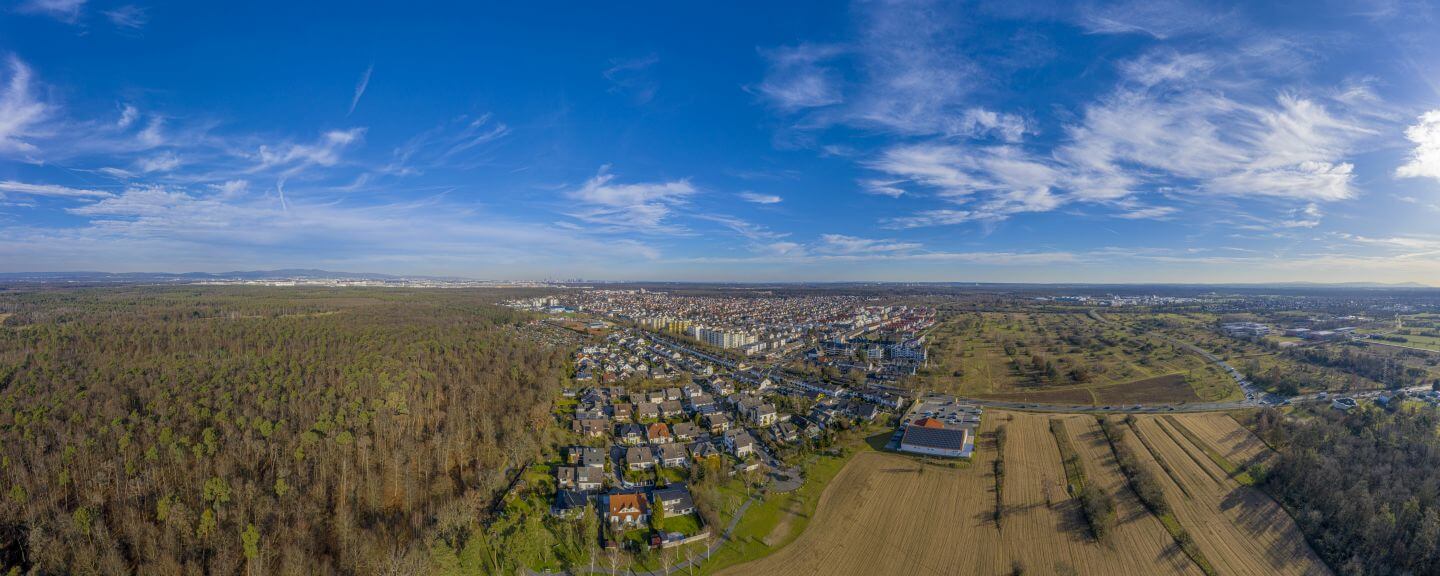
<point x="1091" y="142"/>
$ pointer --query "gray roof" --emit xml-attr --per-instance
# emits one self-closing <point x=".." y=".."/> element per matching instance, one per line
<point x="942" y="438"/>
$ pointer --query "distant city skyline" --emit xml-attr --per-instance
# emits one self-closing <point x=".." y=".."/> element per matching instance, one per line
<point x="1184" y="142"/>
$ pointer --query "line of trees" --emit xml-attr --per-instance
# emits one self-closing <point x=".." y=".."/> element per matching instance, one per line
<point x="263" y="431"/>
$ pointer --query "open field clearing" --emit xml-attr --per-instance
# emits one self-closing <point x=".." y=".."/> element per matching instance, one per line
<point x="882" y="515"/>
<point x="1240" y="529"/>
<point x="1067" y="357"/>
<point x="1268" y="367"/>
<point x="1162" y="389"/>
<point x="1228" y="437"/>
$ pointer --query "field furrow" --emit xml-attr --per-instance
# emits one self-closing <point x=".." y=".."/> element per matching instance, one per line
<point x="1241" y="530"/>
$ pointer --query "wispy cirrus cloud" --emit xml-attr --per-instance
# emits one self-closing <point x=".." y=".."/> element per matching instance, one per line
<point x="1161" y="19"/>
<point x="128" y="16"/>
<point x="756" y="198"/>
<point x="643" y="207"/>
<point x="152" y="227"/>
<point x="294" y="157"/>
<point x="29" y="189"/>
<point x="462" y="142"/>
<point x="633" y="76"/>
<point x="360" y="88"/>
<point x="21" y="111"/>
<point x="67" y="11"/>
<point x="801" y="77"/>
<point x="844" y="244"/>
<point x="1162" y="129"/>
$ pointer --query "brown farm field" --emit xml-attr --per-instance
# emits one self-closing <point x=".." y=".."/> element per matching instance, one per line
<point x="893" y="514"/>
<point x="1238" y="528"/>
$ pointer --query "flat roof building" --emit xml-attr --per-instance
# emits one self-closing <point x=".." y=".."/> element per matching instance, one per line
<point x="935" y="438"/>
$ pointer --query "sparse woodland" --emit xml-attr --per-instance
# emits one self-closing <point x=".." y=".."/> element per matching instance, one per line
<point x="259" y="431"/>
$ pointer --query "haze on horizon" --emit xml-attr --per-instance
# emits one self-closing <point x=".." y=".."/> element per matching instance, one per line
<point x="929" y="141"/>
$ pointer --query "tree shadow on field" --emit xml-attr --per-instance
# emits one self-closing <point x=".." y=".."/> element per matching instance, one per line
<point x="1071" y="521"/>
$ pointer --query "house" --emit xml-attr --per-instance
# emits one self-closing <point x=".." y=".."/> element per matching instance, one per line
<point x="691" y="391"/>
<point x="586" y="456"/>
<point x="670" y="455"/>
<point x="722" y="387"/>
<point x="935" y="438"/>
<point x="639" y="458"/>
<point x="701" y="403"/>
<point x="671" y="409"/>
<point x="740" y="443"/>
<point x="569" y="504"/>
<point x="785" y="433"/>
<point x="702" y="450"/>
<point x="647" y="411"/>
<point x="592" y="427"/>
<point x="684" y="431"/>
<point x="674" y="499"/>
<point x="580" y="478"/>
<point x="622" y="412"/>
<point x="631" y="434"/>
<point x="672" y="393"/>
<point x="717" y="423"/>
<point x="627" y="510"/>
<point x="762" y="414"/>
<point x="655" y="396"/>
<point x="658" y="433"/>
<point x="863" y="410"/>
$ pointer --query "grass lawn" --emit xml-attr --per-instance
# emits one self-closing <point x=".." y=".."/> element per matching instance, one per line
<point x="793" y="510"/>
<point x="672" y="475"/>
<point x="687" y="524"/>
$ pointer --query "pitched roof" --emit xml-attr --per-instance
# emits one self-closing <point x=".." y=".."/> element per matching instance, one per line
<point x="622" y="502"/>
<point x="929" y="423"/>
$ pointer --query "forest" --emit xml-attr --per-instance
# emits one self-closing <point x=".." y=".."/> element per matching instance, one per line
<point x="1360" y="484"/>
<point x="234" y="430"/>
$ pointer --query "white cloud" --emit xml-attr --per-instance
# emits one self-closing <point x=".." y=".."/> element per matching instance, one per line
<point x="941" y="217"/>
<point x="153" y="134"/>
<point x="226" y="226"/>
<point x="128" y="16"/>
<point x="749" y="230"/>
<point x="163" y="162"/>
<point x="760" y="198"/>
<point x="842" y="244"/>
<point x="360" y="88"/>
<point x="799" y="77"/>
<point x="641" y="207"/>
<point x="458" y="143"/>
<point x="323" y="152"/>
<point x="1163" y="129"/>
<point x="1147" y="212"/>
<point x="632" y="76"/>
<point x="1158" y="18"/>
<point x="128" y="115"/>
<point x="20" y="111"/>
<point x="889" y="188"/>
<point x="1424" y="160"/>
<point x="49" y="190"/>
<point x="997" y="181"/>
<point x="67" y="11"/>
